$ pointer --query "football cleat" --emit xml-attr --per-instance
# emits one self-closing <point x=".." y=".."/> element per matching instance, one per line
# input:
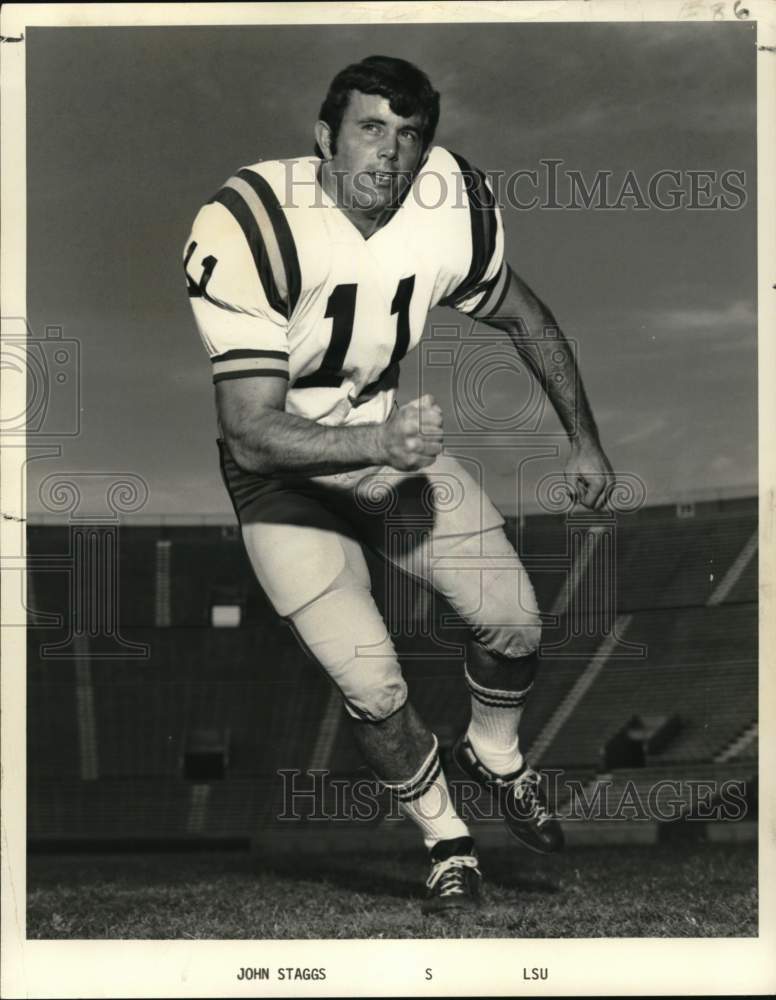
<point x="520" y="798"/>
<point x="454" y="882"/>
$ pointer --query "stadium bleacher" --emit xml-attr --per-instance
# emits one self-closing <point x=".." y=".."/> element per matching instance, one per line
<point x="107" y="737"/>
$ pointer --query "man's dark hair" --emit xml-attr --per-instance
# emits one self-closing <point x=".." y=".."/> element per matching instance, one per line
<point x="406" y="87"/>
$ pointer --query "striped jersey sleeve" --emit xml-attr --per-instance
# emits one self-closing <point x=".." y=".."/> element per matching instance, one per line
<point x="482" y="288"/>
<point x="243" y="279"/>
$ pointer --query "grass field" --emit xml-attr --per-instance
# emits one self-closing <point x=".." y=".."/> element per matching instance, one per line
<point x="692" y="890"/>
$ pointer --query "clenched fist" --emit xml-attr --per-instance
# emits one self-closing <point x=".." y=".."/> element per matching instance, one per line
<point x="411" y="438"/>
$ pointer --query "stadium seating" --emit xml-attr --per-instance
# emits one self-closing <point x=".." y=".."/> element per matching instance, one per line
<point x="107" y="736"/>
<point x="701" y="664"/>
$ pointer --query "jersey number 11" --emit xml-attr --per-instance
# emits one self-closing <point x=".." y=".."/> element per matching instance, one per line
<point x="341" y="310"/>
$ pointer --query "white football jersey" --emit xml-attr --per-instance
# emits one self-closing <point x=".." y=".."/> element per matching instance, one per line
<point x="282" y="284"/>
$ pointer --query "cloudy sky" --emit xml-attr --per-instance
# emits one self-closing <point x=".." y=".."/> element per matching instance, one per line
<point x="130" y="130"/>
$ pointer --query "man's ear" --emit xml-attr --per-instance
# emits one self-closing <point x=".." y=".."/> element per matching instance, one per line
<point x="323" y="138"/>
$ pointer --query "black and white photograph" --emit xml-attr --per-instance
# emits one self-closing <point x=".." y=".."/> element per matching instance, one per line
<point x="387" y="537"/>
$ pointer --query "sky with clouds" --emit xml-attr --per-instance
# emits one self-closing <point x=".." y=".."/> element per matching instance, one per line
<point x="130" y="130"/>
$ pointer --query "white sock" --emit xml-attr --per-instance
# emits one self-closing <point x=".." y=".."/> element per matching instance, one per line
<point x="425" y="798"/>
<point x="493" y="727"/>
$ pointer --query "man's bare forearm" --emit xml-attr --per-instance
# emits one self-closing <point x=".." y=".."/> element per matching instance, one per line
<point x="560" y="378"/>
<point x="281" y="443"/>
<point x="553" y="364"/>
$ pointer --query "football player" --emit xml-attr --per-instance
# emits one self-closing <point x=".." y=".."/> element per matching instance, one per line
<point x="310" y="279"/>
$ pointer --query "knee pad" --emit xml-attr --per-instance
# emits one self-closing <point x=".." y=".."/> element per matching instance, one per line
<point x="483" y="578"/>
<point x="512" y="642"/>
<point x="508" y="622"/>
<point x="379" y="704"/>
<point x="345" y="633"/>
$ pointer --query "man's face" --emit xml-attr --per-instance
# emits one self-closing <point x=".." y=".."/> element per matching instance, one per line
<point x="377" y="152"/>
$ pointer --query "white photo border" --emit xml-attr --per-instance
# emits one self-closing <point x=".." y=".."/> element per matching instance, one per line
<point x="178" y="968"/>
